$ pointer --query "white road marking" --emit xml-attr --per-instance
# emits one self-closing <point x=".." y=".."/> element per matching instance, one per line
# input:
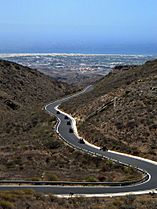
<point x="89" y="144"/>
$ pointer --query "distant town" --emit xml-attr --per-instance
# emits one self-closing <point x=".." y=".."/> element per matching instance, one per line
<point x="64" y="67"/>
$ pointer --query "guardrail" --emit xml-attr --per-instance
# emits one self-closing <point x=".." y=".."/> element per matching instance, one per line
<point x="124" y="183"/>
<point x="20" y="182"/>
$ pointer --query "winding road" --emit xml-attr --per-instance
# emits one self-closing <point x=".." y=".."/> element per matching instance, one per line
<point x="148" y="167"/>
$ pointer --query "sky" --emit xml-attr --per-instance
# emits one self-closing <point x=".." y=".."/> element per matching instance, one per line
<point x="124" y="26"/>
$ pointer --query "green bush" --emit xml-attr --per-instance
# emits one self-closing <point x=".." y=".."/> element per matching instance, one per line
<point x="52" y="144"/>
<point x="51" y="177"/>
<point x="35" y="178"/>
<point x="6" y="205"/>
<point x="91" y="179"/>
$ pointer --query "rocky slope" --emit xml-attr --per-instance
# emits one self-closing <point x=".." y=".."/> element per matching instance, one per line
<point x="19" y="85"/>
<point x="29" y="147"/>
<point x="121" y="111"/>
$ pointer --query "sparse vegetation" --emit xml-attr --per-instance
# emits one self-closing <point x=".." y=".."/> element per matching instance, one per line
<point x="128" y="123"/>
<point x="91" y="179"/>
<point x="29" y="199"/>
<point x="6" y="205"/>
<point x="29" y="147"/>
<point x="51" y="177"/>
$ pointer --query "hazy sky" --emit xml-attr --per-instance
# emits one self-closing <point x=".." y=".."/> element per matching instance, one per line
<point x="32" y="25"/>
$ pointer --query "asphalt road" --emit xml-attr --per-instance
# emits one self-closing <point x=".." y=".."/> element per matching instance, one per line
<point x="149" y="167"/>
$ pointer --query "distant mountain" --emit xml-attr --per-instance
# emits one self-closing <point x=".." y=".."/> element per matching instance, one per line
<point x="121" y="111"/>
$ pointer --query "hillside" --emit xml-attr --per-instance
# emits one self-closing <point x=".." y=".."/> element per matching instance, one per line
<point x="20" y="85"/>
<point x="29" y="147"/>
<point x="29" y="199"/>
<point x="121" y="111"/>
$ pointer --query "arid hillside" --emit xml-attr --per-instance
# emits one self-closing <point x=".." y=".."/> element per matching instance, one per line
<point x="29" y="147"/>
<point x="21" y="85"/>
<point x="31" y="200"/>
<point x="121" y="111"/>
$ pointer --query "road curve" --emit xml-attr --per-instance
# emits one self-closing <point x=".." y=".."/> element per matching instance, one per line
<point x="147" y="166"/>
<point x="147" y="185"/>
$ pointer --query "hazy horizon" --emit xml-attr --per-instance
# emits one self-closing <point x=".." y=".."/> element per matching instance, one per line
<point x="89" y="50"/>
<point x="85" y="26"/>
